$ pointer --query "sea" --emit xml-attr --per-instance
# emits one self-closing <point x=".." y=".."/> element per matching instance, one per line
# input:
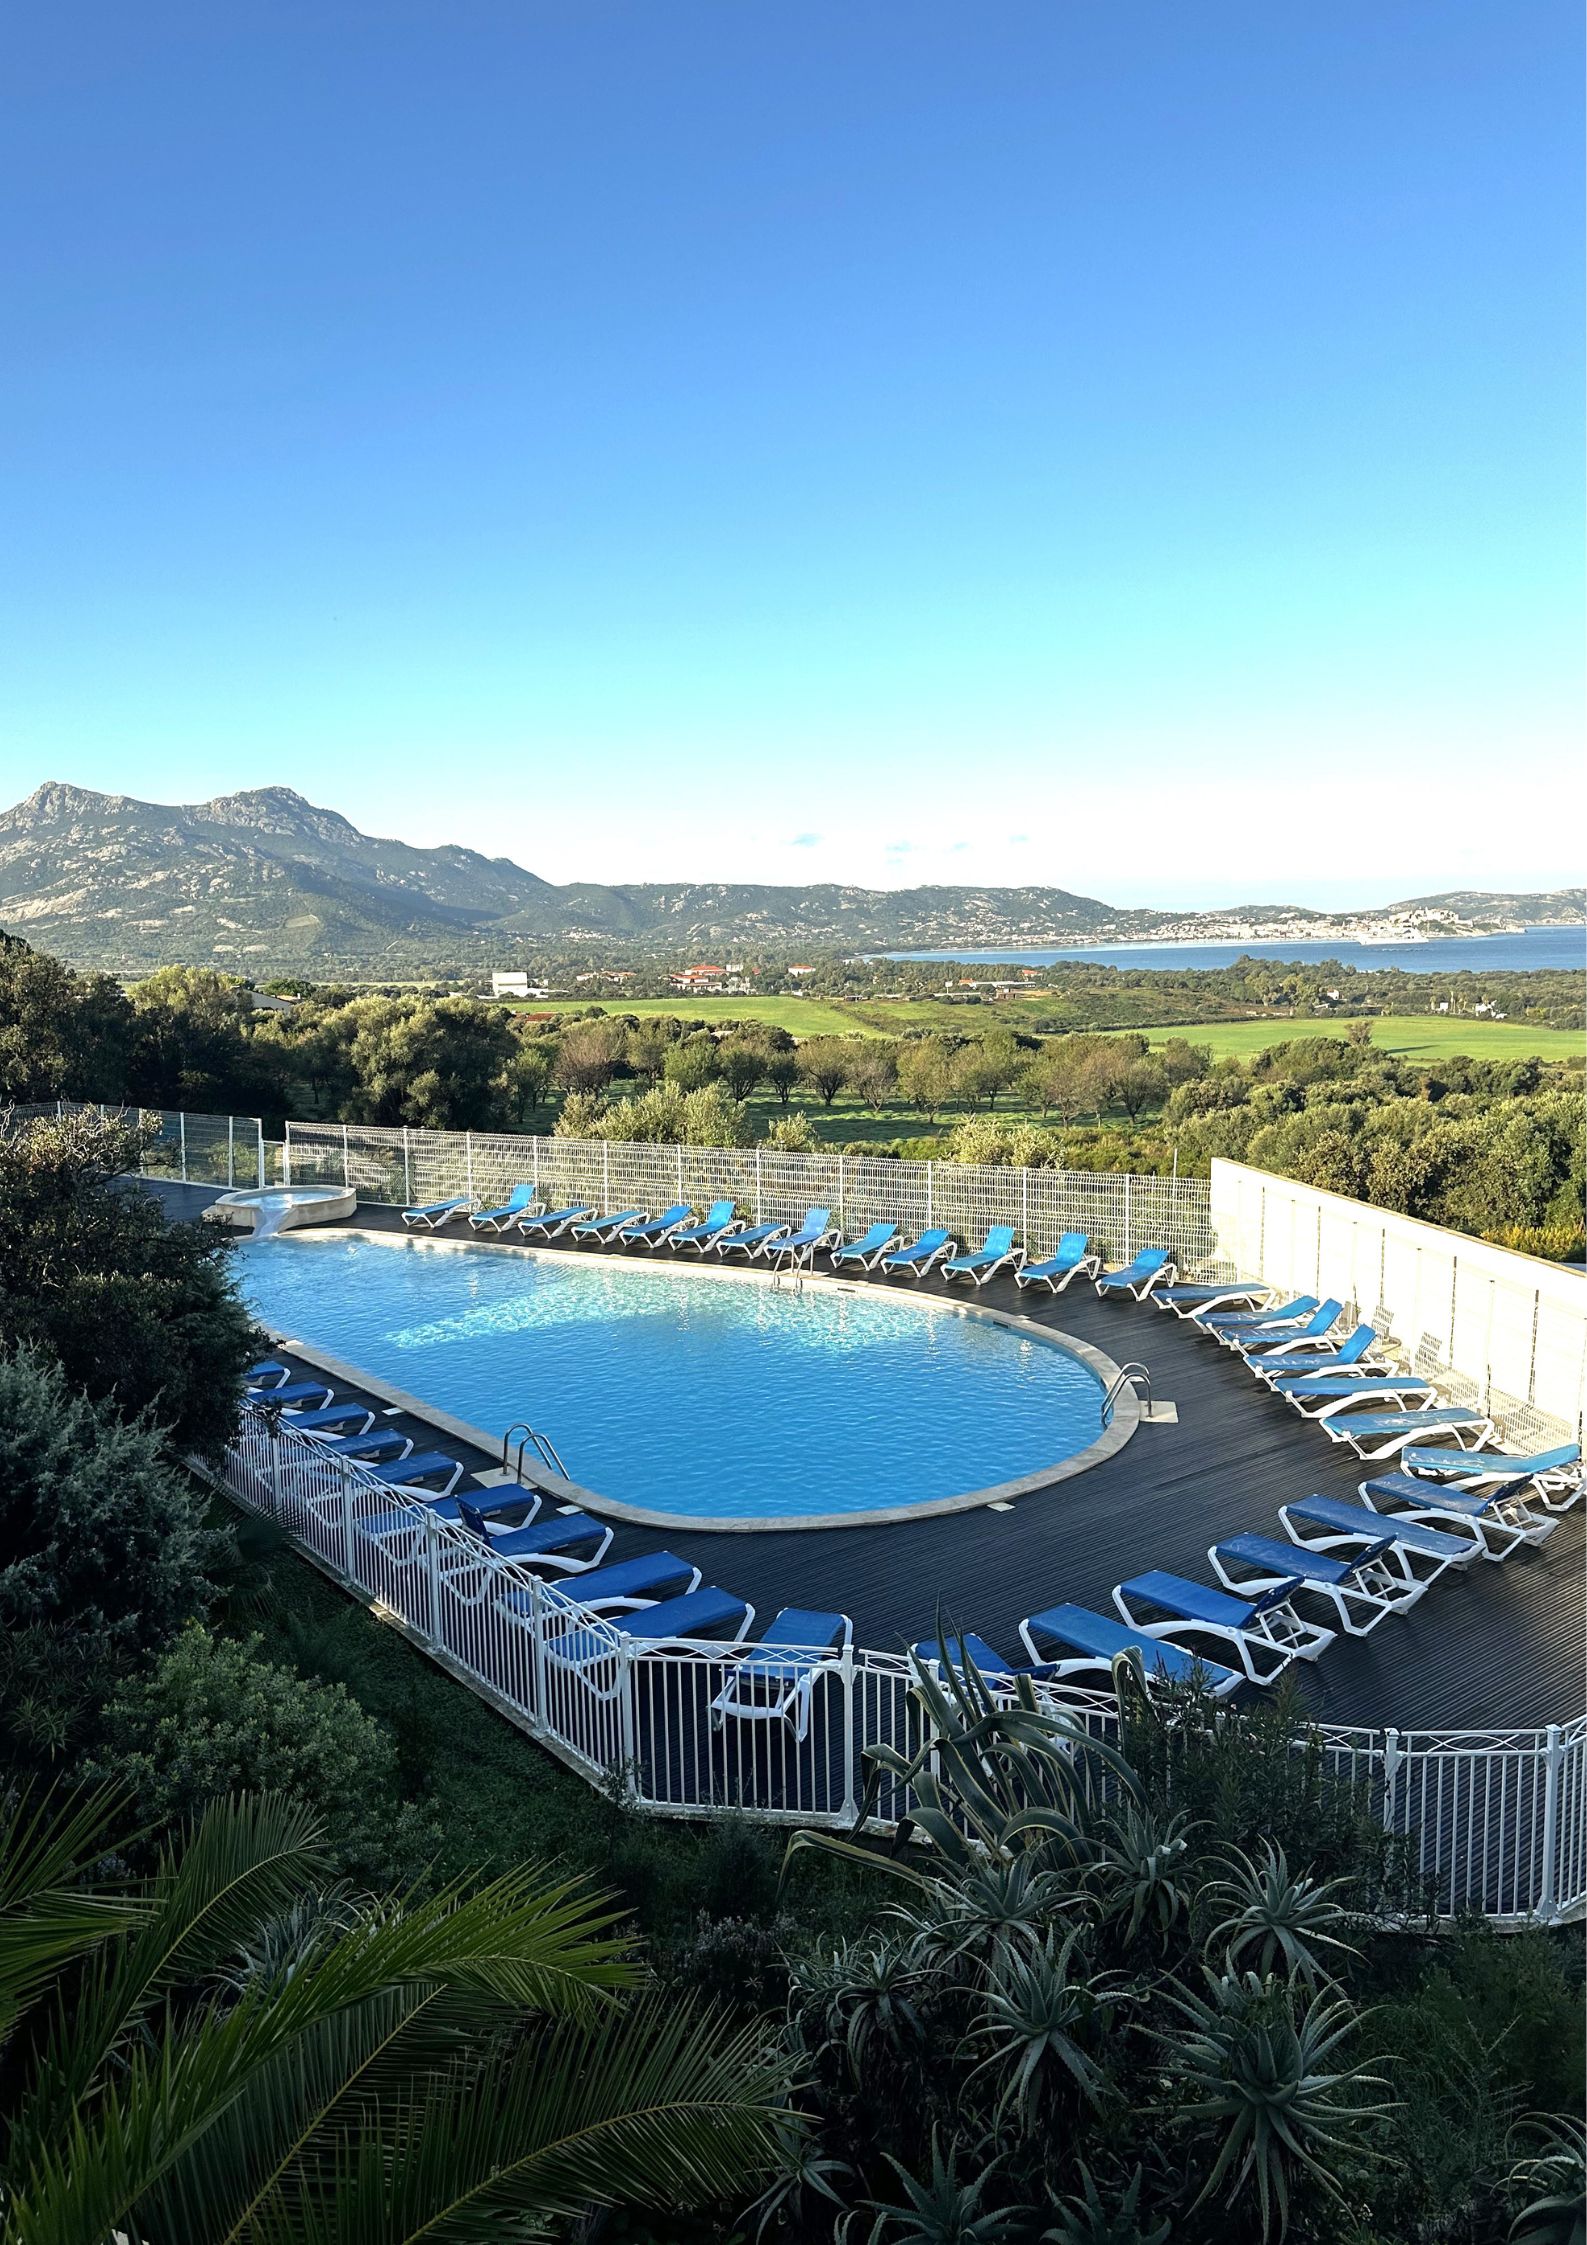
<point x="1519" y="953"/>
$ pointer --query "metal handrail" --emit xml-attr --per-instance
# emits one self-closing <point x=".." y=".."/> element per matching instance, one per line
<point x="545" y="1449"/>
<point x="1127" y="1376"/>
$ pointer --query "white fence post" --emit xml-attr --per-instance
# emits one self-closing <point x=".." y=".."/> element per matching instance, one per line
<point x="231" y="1149"/>
<point x="468" y="1155"/>
<point x="259" y="1140"/>
<point x="432" y="1576"/>
<point x="930" y="1180"/>
<point x="347" y="1158"/>
<point x="1391" y="1777"/>
<point x="757" y="1184"/>
<point x="275" y="1473"/>
<point x="851" y="1806"/>
<point x="1553" y="1766"/>
<point x="347" y="1524"/>
<point x="407" y="1168"/>
<point x="181" y="1124"/>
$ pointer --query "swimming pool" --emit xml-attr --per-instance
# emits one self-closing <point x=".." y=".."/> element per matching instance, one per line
<point x="689" y="1395"/>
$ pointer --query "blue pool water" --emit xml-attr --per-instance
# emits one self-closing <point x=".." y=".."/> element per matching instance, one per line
<point x="686" y="1394"/>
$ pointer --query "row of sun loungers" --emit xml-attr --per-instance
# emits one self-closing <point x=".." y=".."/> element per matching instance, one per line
<point x="880" y="1248"/>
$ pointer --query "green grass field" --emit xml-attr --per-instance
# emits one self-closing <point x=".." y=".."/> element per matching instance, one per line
<point x="1414" y="1036"/>
<point x="1411" y="1036"/>
<point x="801" y="1017"/>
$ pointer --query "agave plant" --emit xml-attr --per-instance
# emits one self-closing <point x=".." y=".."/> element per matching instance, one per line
<point x="996" y="1774"/>
<point x="939" y="2209"/>
<point x="1549" y="2176"/>
<point x="1275" y="1916"/>
<point x="1140" y="1876"/>
<point x="1037" y="2016"/>
<point x="858" y="1994"/>
<point x="1262" y="2058"/>
<point x="1084" y="2220"/>
<point x="438" y="2066"/>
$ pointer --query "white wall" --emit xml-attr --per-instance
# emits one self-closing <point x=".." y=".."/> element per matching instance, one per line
<point x="1512" y="1330"/>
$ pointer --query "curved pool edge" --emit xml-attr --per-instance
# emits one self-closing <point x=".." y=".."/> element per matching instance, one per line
<point x="1127" y="1414"/>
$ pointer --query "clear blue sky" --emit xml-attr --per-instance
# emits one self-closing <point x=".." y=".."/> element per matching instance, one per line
<point x="1124" y="445"/>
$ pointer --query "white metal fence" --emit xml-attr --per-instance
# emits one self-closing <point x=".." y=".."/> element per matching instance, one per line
<point x="1497" y="1819"/>
<point x="401" y="1167"/>
<point x="1503" y="1331"/>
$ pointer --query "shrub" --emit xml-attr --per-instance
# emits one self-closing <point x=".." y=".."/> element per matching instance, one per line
<point x="103" y="1549"/>
<point x="213" y="1718"/>
<point x="141" y="1313"/>
<point x="791" y="1134"/>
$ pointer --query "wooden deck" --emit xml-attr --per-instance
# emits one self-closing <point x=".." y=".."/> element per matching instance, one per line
<point x="1491" y="1645"/>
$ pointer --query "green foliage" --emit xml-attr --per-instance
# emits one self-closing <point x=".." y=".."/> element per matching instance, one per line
<point x="224" y="2050"/>
<point x="61" y="1034"/>
<point x="103" y="1553"/>
<point x="140" y="1312"/>
<point x="212" y="1718"/>
<point x="193" y="1045"/>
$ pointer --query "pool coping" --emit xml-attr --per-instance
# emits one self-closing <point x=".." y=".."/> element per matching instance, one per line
<point x="1127" y="1412"/>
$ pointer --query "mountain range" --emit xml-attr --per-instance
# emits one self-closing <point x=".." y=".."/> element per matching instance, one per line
<point x="265" y="882"/>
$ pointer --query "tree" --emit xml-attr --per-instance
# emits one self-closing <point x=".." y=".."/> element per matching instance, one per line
<point x="982" y="1069"/>
<point x="1184" y="1063"/>
<point x="873" y="1072"/>
<point x="692" y="1064"/>
<point x="1141" y="1085"/>
<point x="140" y="1313"/>
<point x="824" y="1065"/>
<point x="434" y="1063"/>
<point x="104" y="1553"/>
<point x="193" y="1045"/>
<point x="62" y="1035"/>
<point x="791" y="1134"/>
<point x="587" y="1054"/>
<point x="529" y="1076"/>
<point x="648" y="1045"/>
<point x="925" y="1075"/>
<point x="228" y="2049"/>
<point x="742" y="1065"/>
<point x="782" y="1073"/>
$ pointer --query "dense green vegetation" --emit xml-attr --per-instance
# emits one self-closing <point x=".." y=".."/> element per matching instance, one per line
<point x="1486" y="1144"/>
<point x="299" y="1941"/>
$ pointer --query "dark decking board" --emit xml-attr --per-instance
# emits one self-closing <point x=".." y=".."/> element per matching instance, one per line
<point x="1489" y="1645"/>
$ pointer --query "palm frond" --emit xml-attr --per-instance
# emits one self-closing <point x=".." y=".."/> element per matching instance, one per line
<point x="50" y="1912"/>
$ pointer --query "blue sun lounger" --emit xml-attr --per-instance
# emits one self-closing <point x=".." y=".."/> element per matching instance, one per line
<point x="386" y="1442"/>
<point x="1262" y="1628"/>
<point x="1394" y="1430"/>
<point x="518" y="1203"/>
<point x="866" y="1252"/>
<point x="1553" y="1473"/>
<point x="269" y="1374"/>
<point x="777" y="1678"/>
<point x="718" y="1218"/>
<point x="418" y="1507"/>
<point x="1329" y="1525"/>
<point x="994" y="1254"/>
<point x="1321" y="1395"/>
<point x="331" y="1416"/>
<point x="1281" y="1320"/>
<point x="920" y="1254"/>
<point x="435" y="1213"/>
<point x="1321" y="1322"/>
<point x="1084" y="1643"/>
<point x="651" y="1234"/>
<point x="1073" y="1258"/>
<point x="1502" y="1520"/>
<point x="572" y="1542"/>
<point x="1202" y="1297"/>
<point x="816" y="1231"/>
<point x="751" y="1240"/>
<point x="293" y="1392"/>
<point x="637" y="1582"/>
<point x="1153" y="1266"/>
<point x="651" y="1628"/>
<point x="965" y="1650"/>
<point x="606" y="1227"/>
<point x="1273" y="1361"/>
<point x="1363" y="1590"/>
<point x="551" y="1223"/>
<point x="425" y="1465"/>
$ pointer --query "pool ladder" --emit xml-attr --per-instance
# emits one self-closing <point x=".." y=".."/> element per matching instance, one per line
<point x="1127" y="1376"/>
<point x="529" y="1438"/>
